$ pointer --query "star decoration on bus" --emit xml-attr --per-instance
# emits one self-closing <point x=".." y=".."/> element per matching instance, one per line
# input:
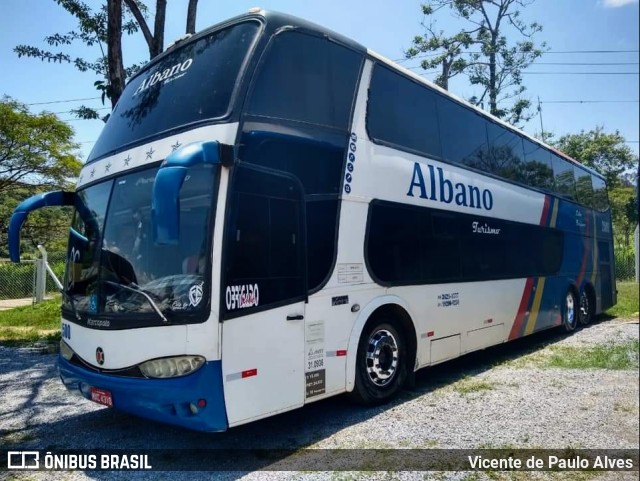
<point x="127" y="160"/>
<point x="150" y="153"/>
<point x="107" y="168"/>
<point x="175" y="146"/>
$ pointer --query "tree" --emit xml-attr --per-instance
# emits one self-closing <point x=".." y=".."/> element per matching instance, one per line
<point x="103" y="28"/>
<point x="36" y="152"/>
<point x="34" y="149"/>
<point x="481" y="51"/>
<point x="624" y="213"/>
<point x="608" y="154"/>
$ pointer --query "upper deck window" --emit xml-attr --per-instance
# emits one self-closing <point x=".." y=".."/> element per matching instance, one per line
<point x="193" y="83"/>
<point x="306" y="78"/>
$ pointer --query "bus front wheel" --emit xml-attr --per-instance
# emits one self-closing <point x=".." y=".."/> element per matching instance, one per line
<point x="381" y="365"/>
<point x="570" y="311"/>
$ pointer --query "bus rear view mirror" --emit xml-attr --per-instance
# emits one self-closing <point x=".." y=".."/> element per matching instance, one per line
<point x="20" y="214"/>
<point x="165" y="203"/>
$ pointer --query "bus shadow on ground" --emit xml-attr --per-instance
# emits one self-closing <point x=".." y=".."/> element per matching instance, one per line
<point x="272" y="439"/>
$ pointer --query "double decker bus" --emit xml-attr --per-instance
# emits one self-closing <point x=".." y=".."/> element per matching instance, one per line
<point x="274" y="214"/>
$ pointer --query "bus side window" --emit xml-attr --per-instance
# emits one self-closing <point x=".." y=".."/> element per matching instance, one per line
<point x="565" y="182"/>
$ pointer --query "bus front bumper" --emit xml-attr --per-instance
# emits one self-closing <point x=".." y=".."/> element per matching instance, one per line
<point x="195" y="401"/>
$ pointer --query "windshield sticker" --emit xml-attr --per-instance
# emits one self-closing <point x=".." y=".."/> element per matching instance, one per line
<point x="195" y="294"/>
<point x="242" y="297"/>
<point x="166" y="76"/>
<point x="93" y="303"/>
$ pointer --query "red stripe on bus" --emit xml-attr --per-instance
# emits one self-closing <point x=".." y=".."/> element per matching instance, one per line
<point x="341" y="352"/>
<point x="249" y="373"/>
<point x="545" y="210"/>
<point x="522" y="310"/>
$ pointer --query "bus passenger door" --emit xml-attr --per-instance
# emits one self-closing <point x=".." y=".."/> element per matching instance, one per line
<point x="263" y="295"/>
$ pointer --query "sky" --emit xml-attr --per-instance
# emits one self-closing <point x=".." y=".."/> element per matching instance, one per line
<point x="582" y="81"/>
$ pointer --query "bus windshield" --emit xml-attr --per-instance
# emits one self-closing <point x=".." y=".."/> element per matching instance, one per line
<point x="195" y="82"/>
<point x="115" y="269"/>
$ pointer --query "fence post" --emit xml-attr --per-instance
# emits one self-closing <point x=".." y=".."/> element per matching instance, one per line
<point x="41" y="278"/>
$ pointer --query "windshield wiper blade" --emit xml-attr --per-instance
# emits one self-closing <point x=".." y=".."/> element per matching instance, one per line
<point x="72" y="302"/>
<point x="136" y="288"/>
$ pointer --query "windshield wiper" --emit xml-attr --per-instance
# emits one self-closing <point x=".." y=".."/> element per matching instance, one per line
<point x="136" y="288"/>
<point x="72" y="303"/>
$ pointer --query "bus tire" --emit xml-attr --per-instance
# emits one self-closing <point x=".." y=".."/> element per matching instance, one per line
<point x="570" y="311"/>
<point x="586" y="306"/>
<point x="381" y="363"/>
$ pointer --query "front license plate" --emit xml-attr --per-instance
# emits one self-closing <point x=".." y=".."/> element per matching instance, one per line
<point x="101" y="397"/>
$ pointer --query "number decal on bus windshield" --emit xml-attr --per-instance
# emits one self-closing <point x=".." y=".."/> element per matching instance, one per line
<point x="242" y="297"/>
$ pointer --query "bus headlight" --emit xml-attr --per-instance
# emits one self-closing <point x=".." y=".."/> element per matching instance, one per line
<point x="171" y="366"/>
<point x="66" y="351"/>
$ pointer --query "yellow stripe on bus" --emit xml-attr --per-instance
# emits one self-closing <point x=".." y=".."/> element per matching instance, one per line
<point x="554" y="214"/>
<point x="535" y="308"/>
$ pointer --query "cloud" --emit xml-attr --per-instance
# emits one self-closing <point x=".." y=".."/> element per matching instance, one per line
<point x="617" y="3"/>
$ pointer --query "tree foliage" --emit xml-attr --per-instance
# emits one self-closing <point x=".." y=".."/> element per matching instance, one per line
<point x="34" y="149"/>
<point x="481" y="51"/>
<point x="102" y="29"/>
<point x="37" y="152"/>
<point x="608" y="154"/>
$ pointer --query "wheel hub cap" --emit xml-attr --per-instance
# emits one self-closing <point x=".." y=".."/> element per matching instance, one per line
<point x="382" y="357"/>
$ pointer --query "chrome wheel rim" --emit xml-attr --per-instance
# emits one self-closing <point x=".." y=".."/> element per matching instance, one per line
<point x="570" y="311"/>
<point x="382" y="357"/>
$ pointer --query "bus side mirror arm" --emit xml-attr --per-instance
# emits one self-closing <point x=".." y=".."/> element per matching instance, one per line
<point x="20" y="214"/>
<point x="165" y="202"/>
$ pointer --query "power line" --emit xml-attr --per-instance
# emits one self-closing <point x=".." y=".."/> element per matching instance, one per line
<point x="586" y="63"/>
<point x="404" y="59"/>
<point x="72" y="111"/>
<point x="63" y="101"/>
<point x="580" y="73"/>
<point x="589" y="101"/>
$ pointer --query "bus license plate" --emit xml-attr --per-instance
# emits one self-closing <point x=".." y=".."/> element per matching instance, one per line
<point x="101" y="397"/>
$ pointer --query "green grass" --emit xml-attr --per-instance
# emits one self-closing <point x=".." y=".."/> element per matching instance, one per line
<point x="618" y="356"/>
<point x="31" y="323"/>
<point x="628" y="304"/>
<point x="468" y="386"/>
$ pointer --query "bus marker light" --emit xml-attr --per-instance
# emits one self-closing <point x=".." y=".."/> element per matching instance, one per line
<point x="202" y="403"/>
<point x="430" y="333"/>
<point x="193" y="408"/>
<point x="341" y="352"/>
<point x="249" y="373"/>
<point x="488" y="321"/>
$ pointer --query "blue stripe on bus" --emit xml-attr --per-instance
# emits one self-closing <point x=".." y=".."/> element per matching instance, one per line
<point x="164" y="400"/>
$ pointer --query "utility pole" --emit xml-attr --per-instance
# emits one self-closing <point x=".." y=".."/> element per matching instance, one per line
<point x="540" y="113"/>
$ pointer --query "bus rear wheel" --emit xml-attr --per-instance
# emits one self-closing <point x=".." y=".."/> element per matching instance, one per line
<point x="586" y="307"/>
<point x="570" y="311"/>
<point x="380" y="365"/>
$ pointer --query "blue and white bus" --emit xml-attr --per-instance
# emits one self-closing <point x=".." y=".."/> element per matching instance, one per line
<point x="274" y="214"/>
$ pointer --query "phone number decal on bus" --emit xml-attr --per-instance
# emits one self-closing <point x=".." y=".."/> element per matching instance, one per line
<point x="242" y="297"/>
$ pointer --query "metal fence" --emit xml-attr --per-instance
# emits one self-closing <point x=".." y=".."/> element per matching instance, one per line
<point x="19" y="281"/>
<point x="625" y="265"/>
